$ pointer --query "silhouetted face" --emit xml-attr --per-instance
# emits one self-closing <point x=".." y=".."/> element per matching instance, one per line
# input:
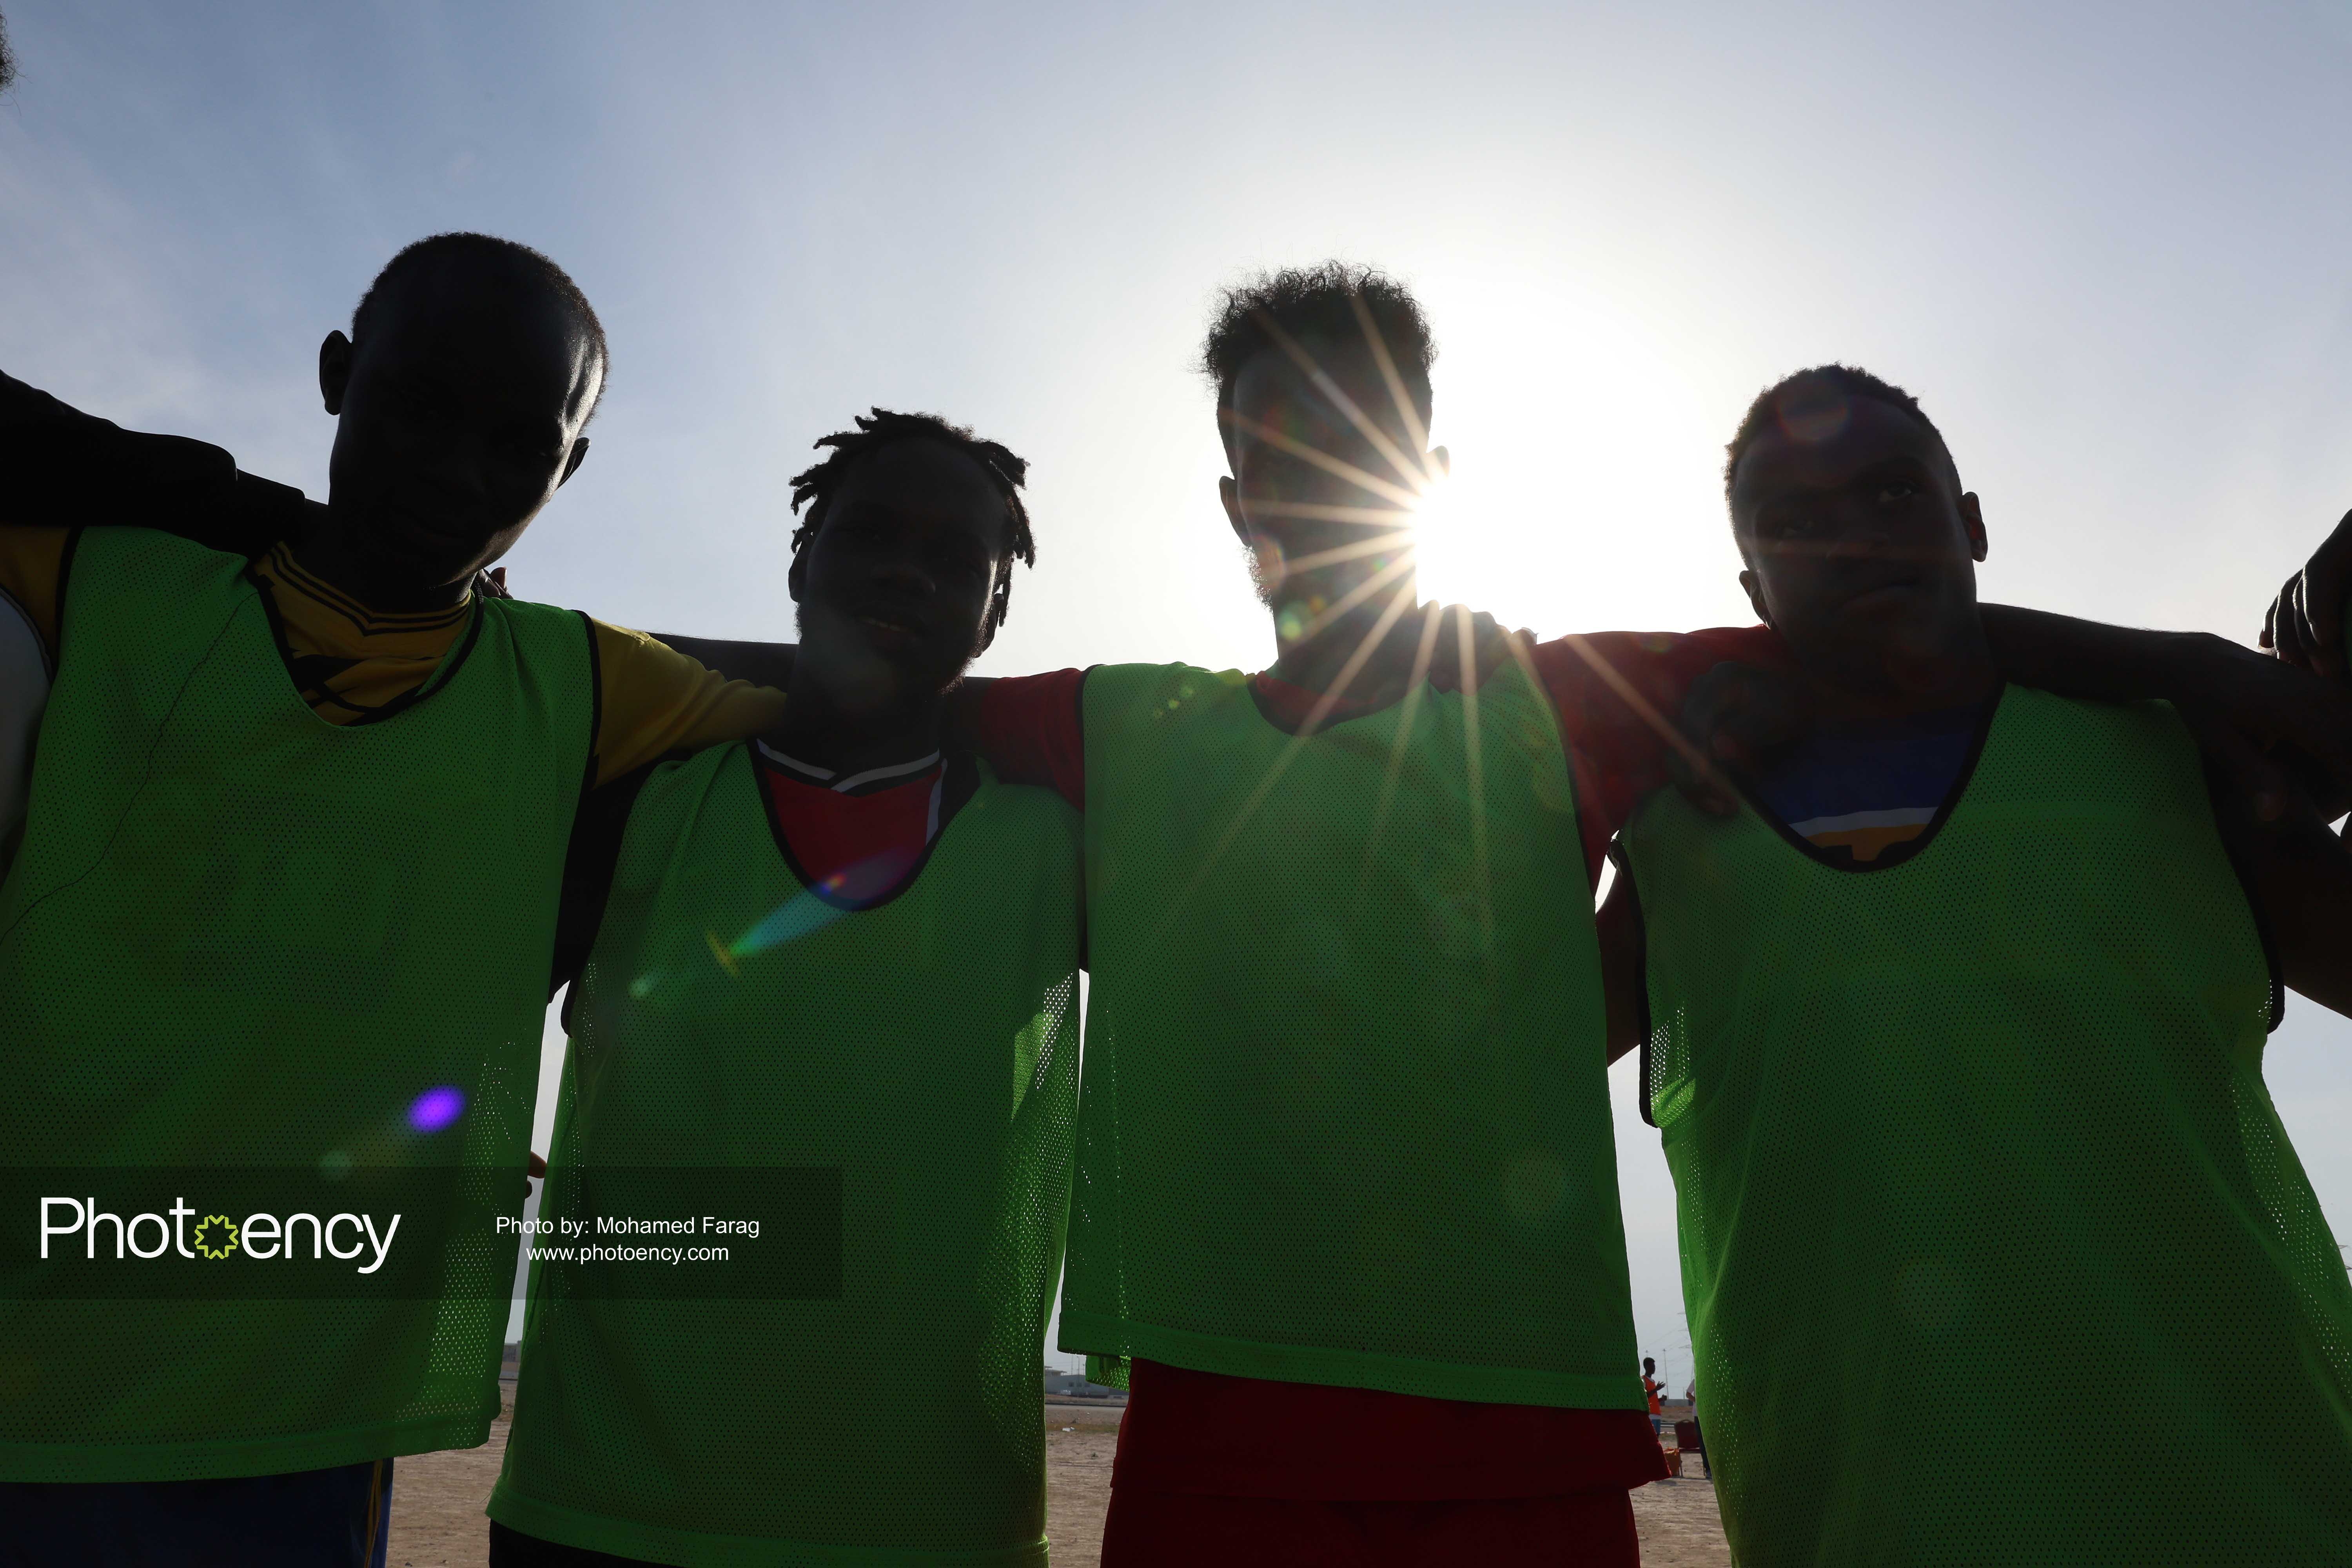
<point x="1860" y="543"/>
<point x="1297" y="515"/>
<point x="459" y="416"/>
<point x="895" y="589"/>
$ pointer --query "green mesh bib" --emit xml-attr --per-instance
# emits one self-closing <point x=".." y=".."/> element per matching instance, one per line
<point x="1345" y="1117"/>
<point x="920" y="1052"/>
<point x="1993" y="1248"/>
<point x="239" y="938"/>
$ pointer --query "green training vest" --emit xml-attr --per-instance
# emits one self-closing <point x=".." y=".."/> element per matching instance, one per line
<point x="241" y="941"/>
<point x="734" y="1032"/>
<point x="1993" y="1248"/>
<point x="1345" y="1117"/>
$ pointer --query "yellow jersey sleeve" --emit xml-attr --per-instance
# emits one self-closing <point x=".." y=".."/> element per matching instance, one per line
<point x="32" y="572"/>
<point x="655" y="700"/>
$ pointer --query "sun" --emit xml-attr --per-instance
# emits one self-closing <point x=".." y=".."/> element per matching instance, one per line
<point x="1444" y="562"/>
<point x="1585" y="432"/>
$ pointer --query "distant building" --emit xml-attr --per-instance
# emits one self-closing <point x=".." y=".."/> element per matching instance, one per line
<point x="1074" y="1385"/>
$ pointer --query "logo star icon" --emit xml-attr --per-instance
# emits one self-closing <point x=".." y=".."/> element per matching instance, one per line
<point x="217" y="1224"/>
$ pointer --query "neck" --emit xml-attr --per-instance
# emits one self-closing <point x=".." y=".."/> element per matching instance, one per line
<point x="816" y="729"/>
<point x="1318" y="663"/>
<point x="325" y="551"/>
<point x="1883" y="681"/>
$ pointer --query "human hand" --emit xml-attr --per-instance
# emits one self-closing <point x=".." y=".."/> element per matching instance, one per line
<point x="2269" y="726"/>
<point x="1491" y="644"/>
<point x="1740" y="716"/>
<point x="2305" y="626"/>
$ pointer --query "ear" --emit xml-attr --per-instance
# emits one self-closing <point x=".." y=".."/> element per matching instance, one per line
<point x="1972" y="518"/>
<point x="1756" y="597"/>
<point x="572" y="464"/>
<point x="1442" y="459"/>
<point x="1231" y="494"/>
<point x="334" y="370"/>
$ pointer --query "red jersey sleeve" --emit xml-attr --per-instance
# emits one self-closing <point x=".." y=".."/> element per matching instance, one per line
<point x="1617" y="693"/>
<point x="1031" y="728"/>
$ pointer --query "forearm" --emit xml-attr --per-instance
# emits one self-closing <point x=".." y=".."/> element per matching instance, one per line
<point x="2093" y="660"/>
<point x="2302" y="875"/>
<point x="760" y="663"/>
<point x="2265" y="721"/>
<point x="770" y="664"/>
<point x="66" y="468"/>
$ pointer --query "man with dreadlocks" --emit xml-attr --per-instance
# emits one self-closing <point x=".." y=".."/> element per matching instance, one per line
<point x="838" y="964"/>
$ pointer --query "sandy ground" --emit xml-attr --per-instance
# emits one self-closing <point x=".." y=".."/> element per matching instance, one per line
<point x="437" y="1522"/>
<point x="1679" y="1526"/>
<point x="437" y="1505"/>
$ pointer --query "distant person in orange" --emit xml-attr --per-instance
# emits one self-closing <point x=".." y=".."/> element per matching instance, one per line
<point x="1652" y="1389"/>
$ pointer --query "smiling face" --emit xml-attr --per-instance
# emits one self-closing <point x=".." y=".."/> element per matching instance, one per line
<point x="897" y="586"/>
<point x="1861" y="545"/>
<point x="1271" y="484"/>
<point x="459" y="416"/>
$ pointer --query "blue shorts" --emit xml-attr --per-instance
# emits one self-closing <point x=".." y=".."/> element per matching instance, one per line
<point x="311" y="1518"/>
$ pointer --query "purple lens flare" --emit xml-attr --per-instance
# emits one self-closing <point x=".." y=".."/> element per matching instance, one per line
<point x="436" y="1108"/>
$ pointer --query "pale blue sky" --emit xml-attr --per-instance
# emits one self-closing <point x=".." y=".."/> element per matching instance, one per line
<point x="2107" y="246"/>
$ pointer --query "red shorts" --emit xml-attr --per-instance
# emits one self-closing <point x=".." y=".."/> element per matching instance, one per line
<point x="1227" y="1472"/>
<point x="1212" y="1435"/>
<point x="1177" y="1530"/>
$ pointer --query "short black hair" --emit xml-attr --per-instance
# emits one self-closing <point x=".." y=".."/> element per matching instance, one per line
<point x="535" y="266"/>
<point x="1845" y="380"/>
<point x="815" y="486"/>
<point x="1319" y="302"/>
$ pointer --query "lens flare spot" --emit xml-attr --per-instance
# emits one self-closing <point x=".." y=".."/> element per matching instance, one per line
<point x="726" y="959"/>
<point x="808" y="911"/>
<point x="436" y="1108"/>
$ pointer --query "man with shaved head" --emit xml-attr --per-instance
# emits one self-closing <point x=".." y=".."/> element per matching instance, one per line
<point x="275" y="947"/>
<point x="1954" y="1039"/>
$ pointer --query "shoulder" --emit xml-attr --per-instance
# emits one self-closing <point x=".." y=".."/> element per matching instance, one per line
<point x="1022" y="799"/>
<point x="548" y="635"/>
<point x="1111" y="685"/>
<point x="541" y="620"/>
<point x="1658" y="660"/>
<point x="2059" y="728"/>
<point x="147" y="570"/>
<point x="628" y="659"/>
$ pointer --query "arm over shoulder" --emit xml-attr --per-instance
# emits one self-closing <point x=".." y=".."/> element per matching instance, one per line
<point x="1030" y="728"/>
<point x="66" y="468"/>
<point x="657" y="700"/>
<point x="1619" y="695"/>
